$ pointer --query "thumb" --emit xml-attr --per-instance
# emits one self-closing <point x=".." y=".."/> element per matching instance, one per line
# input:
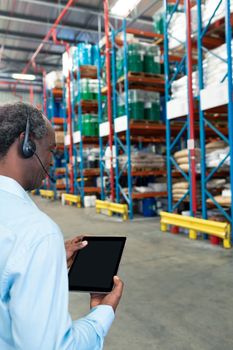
<point x="118" y="285"/>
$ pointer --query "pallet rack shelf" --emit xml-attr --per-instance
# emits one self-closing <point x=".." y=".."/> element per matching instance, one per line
<point x="210" y="103"/>
<point x="217" y="32"/>
<point x="129" y="132"/>
<point x="55" y="113"/>
<point x="81" y="141"/>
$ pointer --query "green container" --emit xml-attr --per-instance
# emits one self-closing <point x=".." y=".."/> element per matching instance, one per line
<point x="86" y="89"/>
<point x="152" y="111"/>
<point x="158" y="19"/>
<point x="136" y="110"/>
<point x="152" y="60"/>
<point x="152" y="65"/>
<point x="90" y="125"/>
<point x="94" y="85"/>
<point x="152" y="106"/>
<point x="136" y="104"/>
<point x="158" y="22"/>
<point x="135" y="59"/>
<point x="120" y="111"/>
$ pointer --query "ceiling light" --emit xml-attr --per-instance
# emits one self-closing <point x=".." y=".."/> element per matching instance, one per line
<point x="123" y="8"/>
<point x="23" y="76"/>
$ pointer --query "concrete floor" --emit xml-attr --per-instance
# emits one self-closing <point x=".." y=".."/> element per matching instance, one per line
<point x="178" y="293"/>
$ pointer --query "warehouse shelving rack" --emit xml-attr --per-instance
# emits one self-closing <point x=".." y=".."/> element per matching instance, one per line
<point x="127" y="132"/>
<point x="209" y="37"/>
<point x="69" y="148"/>
<point x="81" y="141"/>
<point x="66" y="138"/>
<point x="104" y="131"/>
<point x="184" y="64"/>
<point x="54" y="109"/>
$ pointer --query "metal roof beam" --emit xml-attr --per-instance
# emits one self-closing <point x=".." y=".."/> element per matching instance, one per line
<point x="39" y="21"/>
<point x="90" y="10"/>
<point x="30" y="50"/>
<point x="145" y="9"/>
<point x="23" y="62"/>
<point x="30" y="37"/>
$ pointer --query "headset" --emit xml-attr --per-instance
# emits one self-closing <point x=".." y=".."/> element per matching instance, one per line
<point x="28" y="149"/>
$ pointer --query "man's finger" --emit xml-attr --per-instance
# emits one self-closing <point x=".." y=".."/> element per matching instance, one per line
<point x="118" y="285"/>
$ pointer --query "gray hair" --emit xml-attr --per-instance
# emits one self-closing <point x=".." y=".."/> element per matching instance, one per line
<point x="13" y="119"/>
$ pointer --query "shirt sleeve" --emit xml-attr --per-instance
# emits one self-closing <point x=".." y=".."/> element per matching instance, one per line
<point x="38" y="303"/>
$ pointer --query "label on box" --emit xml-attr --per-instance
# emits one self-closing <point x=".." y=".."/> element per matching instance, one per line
<point x="104" y="129"/>
<point x="76" y="136"/>
<point x="156" y="59"/>
<point x="120" y="123"/>
<point x="67" y="140"/>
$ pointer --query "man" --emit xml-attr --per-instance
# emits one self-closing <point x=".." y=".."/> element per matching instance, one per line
<point x="33" y="268"/>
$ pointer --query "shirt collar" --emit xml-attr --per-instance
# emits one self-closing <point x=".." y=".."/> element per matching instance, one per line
<point x="10" y="185"/>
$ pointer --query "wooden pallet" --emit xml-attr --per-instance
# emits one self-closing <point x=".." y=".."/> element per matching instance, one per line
<point x="143" y="74"/>
<point x="146" y="122"/>
<point x="87" y="72"/>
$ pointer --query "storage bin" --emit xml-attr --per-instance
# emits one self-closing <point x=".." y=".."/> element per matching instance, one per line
<point x="149" y="207"/>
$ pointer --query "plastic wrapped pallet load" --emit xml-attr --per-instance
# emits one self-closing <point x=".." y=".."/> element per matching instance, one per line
<point x="224" y="201"/>
<point x="54" y="80"/>
<point x="182" y="159"/>
<point x="59" y="137"/>
<point x="215" y="152"/>
<point x="179" y="87"/>
<point x="215" y="65"/>
<point x="210" y="6"/>
<point x="179" y="189"/>
<point x="177" y="28"/>
<point x="143" y="160"/>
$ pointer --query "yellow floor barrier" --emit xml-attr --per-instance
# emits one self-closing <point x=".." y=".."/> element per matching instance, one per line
<point x="47" y="194"/>
<point x="112" y="208"/>
<point x="194" y="225"/>
<point x="71" y="199"/>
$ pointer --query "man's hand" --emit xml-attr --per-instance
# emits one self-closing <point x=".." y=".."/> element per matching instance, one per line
<point x="72" y="246"/>
<point x="112" y="298"/>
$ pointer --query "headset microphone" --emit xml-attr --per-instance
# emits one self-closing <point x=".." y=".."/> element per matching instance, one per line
<point x="46" y="172"/>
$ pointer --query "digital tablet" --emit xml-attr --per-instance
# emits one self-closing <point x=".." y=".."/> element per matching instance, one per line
<point x="96" y="264"/>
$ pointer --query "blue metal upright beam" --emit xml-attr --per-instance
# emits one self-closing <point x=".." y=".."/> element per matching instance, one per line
<point x="167" y="98"/>
<point x="80" y="144"/>
<point x="100" y="120"/>
<point x="128" y="143"/>
<point x="170" y="77"/>
<point x="114" y="103"/>
<point x="228" y="30"/>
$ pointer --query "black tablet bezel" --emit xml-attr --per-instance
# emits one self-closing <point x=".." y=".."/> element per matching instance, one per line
<point x="93" y="289"/>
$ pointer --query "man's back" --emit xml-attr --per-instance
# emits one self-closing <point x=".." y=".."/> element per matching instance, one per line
<point x="24" y="229"/>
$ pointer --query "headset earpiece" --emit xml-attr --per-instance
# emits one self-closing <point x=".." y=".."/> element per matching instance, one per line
<point x="28" y="147"/>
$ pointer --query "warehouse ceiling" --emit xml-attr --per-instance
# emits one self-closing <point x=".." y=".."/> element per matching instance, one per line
<point x="24" y="23"/>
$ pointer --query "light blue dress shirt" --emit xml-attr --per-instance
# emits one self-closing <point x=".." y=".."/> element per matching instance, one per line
<point x="34" y="283"/>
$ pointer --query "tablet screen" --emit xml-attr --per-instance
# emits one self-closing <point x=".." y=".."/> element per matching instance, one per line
<point x="96" y="264"/>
